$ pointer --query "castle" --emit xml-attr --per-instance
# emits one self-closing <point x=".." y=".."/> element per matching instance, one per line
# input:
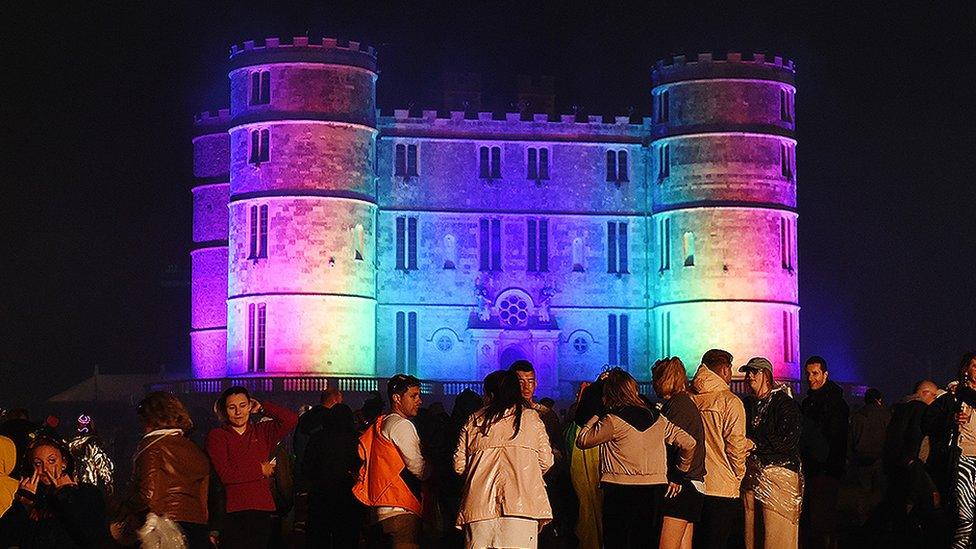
<point x="331" y="240"/>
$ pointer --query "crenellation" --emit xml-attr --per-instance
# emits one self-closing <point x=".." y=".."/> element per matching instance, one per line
<point x="213" y="117"/>
<point x="301" y="42"/>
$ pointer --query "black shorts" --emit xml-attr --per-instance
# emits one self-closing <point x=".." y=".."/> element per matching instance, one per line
<point x="687" y="505"/>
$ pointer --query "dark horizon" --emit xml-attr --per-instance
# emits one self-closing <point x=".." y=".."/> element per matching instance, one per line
<point x="98" y="230"/>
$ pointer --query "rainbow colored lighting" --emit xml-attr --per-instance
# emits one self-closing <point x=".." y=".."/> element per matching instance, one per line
<point x="330" y="240"/>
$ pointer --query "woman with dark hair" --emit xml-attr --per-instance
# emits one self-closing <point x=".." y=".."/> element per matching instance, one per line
<point x="633" y="461"/>
<point x="686" y="492"/>
<point x="502" y="453"/>
<point x="241" y="454"/>
<point x="59" y="513"/>
<point x="170" y="474"/>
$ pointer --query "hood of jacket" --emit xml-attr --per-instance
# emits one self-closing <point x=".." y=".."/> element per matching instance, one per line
<point x="638" y="417"/>
<point x="707" y="381"/>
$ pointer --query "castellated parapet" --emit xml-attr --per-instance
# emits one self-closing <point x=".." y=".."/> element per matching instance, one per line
<point x="448" y="244"/>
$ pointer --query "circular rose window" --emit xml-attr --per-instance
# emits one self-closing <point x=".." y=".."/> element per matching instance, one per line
<point x="513" y="311"/>
<point x="581" y="345"/>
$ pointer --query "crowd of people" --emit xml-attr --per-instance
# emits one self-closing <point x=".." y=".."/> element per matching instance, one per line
<point x="694" y="465"/>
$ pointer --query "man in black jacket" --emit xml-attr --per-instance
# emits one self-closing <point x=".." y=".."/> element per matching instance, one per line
<point x="823" y="449"/>
<point x="771" y="489"/>
<point x="912" y="503"/>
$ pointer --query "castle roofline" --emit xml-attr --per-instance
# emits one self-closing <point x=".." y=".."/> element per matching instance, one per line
<point x="301" y="50"/>
<point x="509" y="125"/>
<point x="212" y="121"/>
<point x="733" y="65"/>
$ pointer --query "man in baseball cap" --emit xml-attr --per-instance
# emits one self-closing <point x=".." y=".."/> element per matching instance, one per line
<point x="773" y="424"/>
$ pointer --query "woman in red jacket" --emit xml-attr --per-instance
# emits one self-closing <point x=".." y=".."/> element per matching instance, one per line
<point x="241" y="454"/>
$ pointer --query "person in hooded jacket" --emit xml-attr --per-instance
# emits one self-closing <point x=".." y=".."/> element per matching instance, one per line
<point x="771" y="491"/>
<point x="13" y="519"/>
<point x="726" y="447"/>
<point x="633" y="461"/>
<point x="823" y="450"/>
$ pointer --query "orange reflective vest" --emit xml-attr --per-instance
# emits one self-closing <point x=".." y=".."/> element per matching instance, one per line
<point x="381" y="482"/>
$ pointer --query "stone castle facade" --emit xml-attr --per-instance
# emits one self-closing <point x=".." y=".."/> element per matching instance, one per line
<point x="332" y="240"/>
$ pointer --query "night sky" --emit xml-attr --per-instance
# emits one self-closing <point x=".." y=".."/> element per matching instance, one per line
<point x="97" y="104"/>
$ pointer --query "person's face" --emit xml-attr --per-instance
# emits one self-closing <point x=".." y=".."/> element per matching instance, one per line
<point x="408" y="404"/>
<point x="756" y="381"/>
<point x="48" y="462"/>
<point x="526" y="384"/>
<point x="927" y="393"/>
<point x="816" y="376"/>
<point x="238" y="409"/>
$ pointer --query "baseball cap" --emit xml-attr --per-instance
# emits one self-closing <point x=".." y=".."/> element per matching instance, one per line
<point x="757" y="363"/>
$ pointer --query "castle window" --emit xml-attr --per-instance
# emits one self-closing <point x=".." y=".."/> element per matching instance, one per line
<point x="490" y="165"/>
<point x="405" y="163"/>
<point x="406" y="243"/>
<point x="664" y="243"/>
<point x="260" y="141"/>
<point x="538" y="245"/>
<point x="662" y="107"/>
<point x="256" y="336"/>
<point x="787" y="339"/>
<point x="688" y="248"/>
<point x="786" y="243"/>
<point x="786" y="160"/>
<point x="578" y="255"/>
<point x="538" y="163"/>
<point x="618" y="353"/>
<point x="490" y="245"/>
<point x="617" y="168"/>
<point x="786" y="105"/>
<point x="617" y="247"/>
<point x="359" y="241"/>
<point x="258" y="248"/>
<point x="663" y="162"/>
<point x="260" y="88"/>
<point x="581" y="345"/>
<point x="406" y="342"/>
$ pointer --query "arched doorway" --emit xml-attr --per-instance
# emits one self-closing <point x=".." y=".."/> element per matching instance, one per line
<point x="510" y="355"/>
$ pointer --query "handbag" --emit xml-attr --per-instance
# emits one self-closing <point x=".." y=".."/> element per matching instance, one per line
<point x="161" y="533"/>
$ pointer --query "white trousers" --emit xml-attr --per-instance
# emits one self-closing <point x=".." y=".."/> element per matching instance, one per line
<point x="502" y="533"/>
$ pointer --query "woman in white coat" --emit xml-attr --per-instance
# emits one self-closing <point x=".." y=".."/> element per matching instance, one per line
<point x="502" y="453"/>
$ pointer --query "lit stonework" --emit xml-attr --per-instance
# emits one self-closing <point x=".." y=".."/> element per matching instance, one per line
<point x="446" y="247"/>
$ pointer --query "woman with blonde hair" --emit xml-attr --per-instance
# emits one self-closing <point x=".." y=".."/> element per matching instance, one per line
<point x="633" y="461"/>
<point x="685" y="494"/>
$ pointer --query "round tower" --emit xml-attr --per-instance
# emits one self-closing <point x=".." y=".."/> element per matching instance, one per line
<point x="208" y="257"/>
<point x="301" y="275"/>
<point x="724" y="209"/>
